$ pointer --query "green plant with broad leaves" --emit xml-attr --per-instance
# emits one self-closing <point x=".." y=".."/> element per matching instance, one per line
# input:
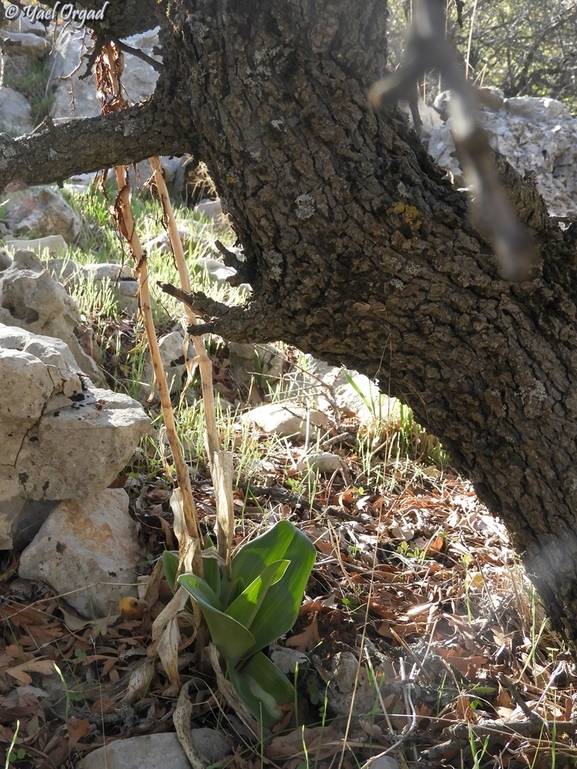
<point x="250" y="605"/>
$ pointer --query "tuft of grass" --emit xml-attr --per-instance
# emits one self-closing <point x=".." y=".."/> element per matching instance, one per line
<point x="95" y="299"/>
<point x="101" y="243"/>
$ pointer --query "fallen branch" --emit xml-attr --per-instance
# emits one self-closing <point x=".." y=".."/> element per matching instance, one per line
<point x="459" y="735"/>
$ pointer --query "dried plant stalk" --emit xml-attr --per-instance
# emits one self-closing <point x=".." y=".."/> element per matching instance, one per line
<point x="220" y="461"/>
<point x="128" y="228"/>
<point x="110" y="84"/>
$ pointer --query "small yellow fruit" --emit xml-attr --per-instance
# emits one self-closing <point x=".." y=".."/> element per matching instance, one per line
<point x="131" y="608"/>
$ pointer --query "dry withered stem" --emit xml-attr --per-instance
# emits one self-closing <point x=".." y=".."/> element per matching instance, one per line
<point x="220" y="461"/>
<point x="127" y="227"/>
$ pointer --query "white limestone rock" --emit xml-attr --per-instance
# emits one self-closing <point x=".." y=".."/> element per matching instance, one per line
<point x="15" y="115"/>
<point x="351" y="686"/>
<point x="42" y="212"/>
<point x="51" y="244"/>
<point x="349" y="391"/>
<point x="212" y="209"/>
<point x="161" y="242"/>
<point x="5" y="259"/>
<point x="60" y="437"/>
<point x="171" y="353"/>
<point x="215" y="271"/>
<point x="264" y="362"/>
<point x="125" y="293"/>
<point x="107" y="271"/>
<point x="30" y="298"/>
<point x="80" y="444"/>
<point x="288" y="421"/>
<point x="429" y="116"/>
<point x="323" y="462"/>
<point x="62" y="269"/>
<point x="23" y="44"/>
<point x="535" y="135"/>
<point x="119" y="281"/>
<point x="23" y="23"/>
<point x="154" y="750"/>
<point x="87" y="551"/>
<point x="77" y="98"/>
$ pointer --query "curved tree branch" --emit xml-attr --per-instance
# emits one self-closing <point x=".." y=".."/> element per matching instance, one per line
<point x="250" y="322"/>
<point x="57" y="152"/>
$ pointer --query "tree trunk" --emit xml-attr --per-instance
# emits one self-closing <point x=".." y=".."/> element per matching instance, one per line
<point x="360" y="251"/>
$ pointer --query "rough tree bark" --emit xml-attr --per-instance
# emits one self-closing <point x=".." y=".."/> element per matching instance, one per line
<point x="359" y="250"/>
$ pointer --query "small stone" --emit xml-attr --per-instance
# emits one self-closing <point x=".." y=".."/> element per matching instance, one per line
<point x="383" y="762"/>
<point x="161" y="242"/>
<point x="126" y="294"/>
<point x="325" y="462"/>
<point x="63" y="270"/>
<point x="156" y="750"/>
<point x="212" y="209"/>
<point x="215" y="270"/>
<point x="288" y="660"/>
<point x="107" y="271"/>
<point x="351" y="686"/>
<point x="288" y="421"/>
<point x="53" y="244"/>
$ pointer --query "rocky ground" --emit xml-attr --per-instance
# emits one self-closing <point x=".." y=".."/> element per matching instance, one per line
<point x="419" y="640"/>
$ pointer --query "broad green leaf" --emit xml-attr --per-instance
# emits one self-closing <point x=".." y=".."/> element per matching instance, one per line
<point x="211" y="568"/>
<point x="170" y="564"/>
<point x="200" y="590"/>
<point x="246" y="606"/>
<point x="264" y="689"/>
<point x="250" y="560"/>
<point x="230" y="637"/>
<point x="279" y="608"/>
<point x="230" y="591"/>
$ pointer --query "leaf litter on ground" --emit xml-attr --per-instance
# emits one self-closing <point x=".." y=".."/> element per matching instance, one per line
<point x="424" y="580"/>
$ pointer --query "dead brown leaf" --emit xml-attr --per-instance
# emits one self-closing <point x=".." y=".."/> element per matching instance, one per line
<point x="77" y="728"/>
<point x="307" y="640"/>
